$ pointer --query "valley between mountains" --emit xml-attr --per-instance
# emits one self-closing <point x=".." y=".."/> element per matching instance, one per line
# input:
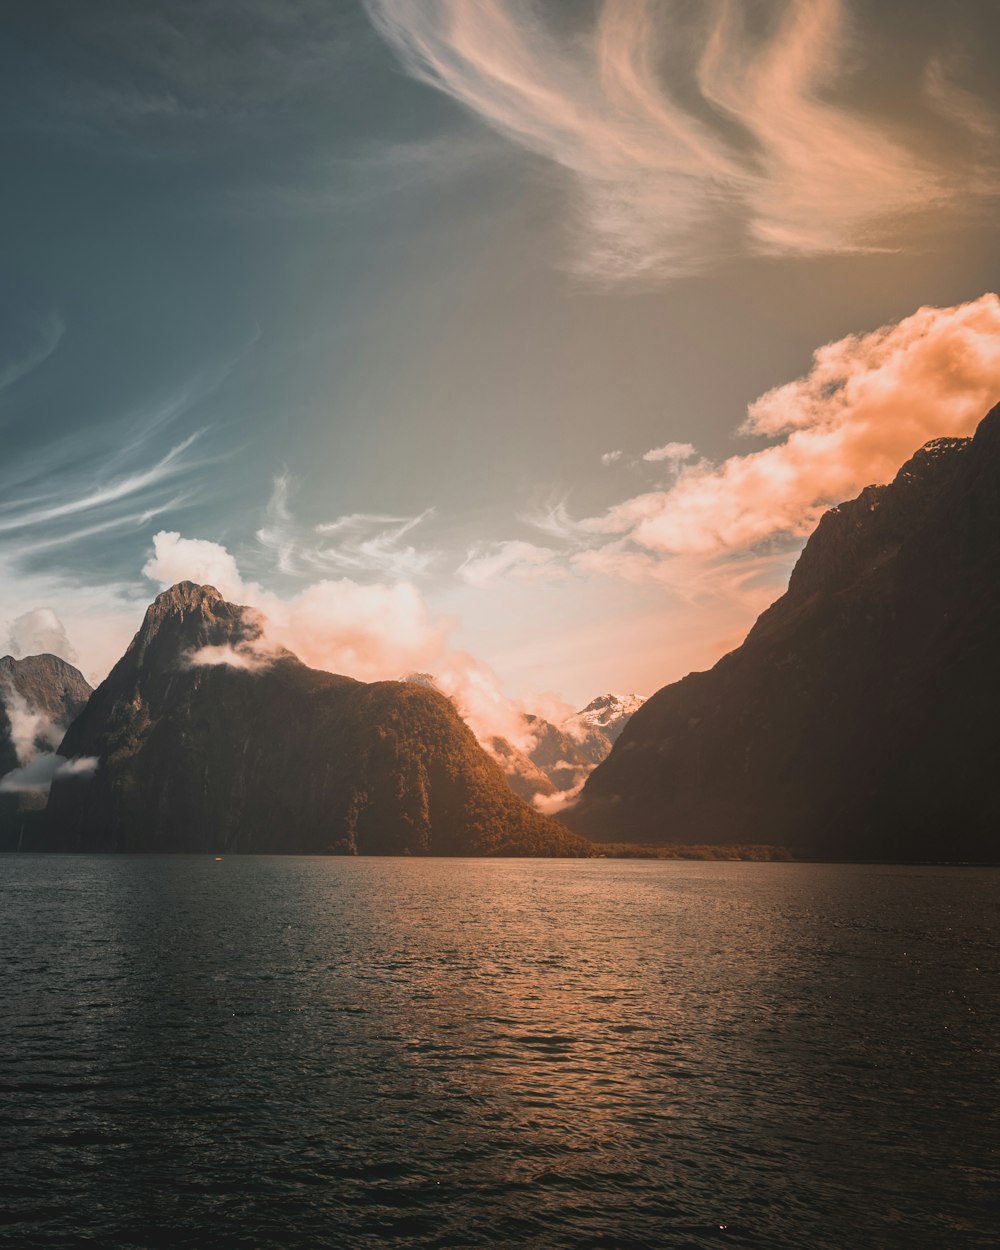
<point x="857" y="721"/>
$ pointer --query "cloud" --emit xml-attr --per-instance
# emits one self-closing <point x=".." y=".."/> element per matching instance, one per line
<point x="610" y="457"/>
<point x="720" y="539"/>
<point x="526" y="562"/>
<point x="28" y="727"/>
<point x="38" y="774"/>
<point x="46" y="335"/>
<point x="370" y="631"/>
<point x="553" y="804"/>
<point x="868" y="402"/>
<point x="249" y="657"/>
<point x="365" y="541"/>
<point x="112" y="492"/>
<point x="360" y="542"/>
<point x="688" y="136"/>
<point x="674" y="452"/>
<point x="34" y="737"/>
<point x="39" y="632"/>
<point x="373" y="632"/>
<point x="176" y="559"/>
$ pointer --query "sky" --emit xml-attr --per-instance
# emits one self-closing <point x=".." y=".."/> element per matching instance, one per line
<point x="520" y="343"/>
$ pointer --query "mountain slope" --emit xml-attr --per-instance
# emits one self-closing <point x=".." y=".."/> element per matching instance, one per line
<point x="856" y="719"/>
<point x="39" y="696"/>
<point x="205" y="745"/>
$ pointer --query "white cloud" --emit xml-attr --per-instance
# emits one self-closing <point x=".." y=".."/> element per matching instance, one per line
<point x="112" y="492"/>
<point x="363" y="541"/>
<point x="370" y="631"/>
<point x="27" y="725"/>
<point x="38" y="774"/>
<point x="176" y="559"/>
<point x="249" y="656"/>
<point x="39" y="632"/>
<point x="360" y="542"/>
<point x="31" y="731"/>
<point x="610" y="457"/>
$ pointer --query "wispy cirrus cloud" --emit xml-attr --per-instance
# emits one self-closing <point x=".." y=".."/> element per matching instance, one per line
<point x="523" y="561"/>
<point x="756" y="148"/>
<point x="112" y="477"/>
<point x="43" y="339"/>
<point x="103" y="495"/>
<point x="358" y="542"/>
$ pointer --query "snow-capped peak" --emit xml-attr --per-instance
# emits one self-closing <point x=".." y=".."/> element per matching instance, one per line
<point x="608" y="711"/>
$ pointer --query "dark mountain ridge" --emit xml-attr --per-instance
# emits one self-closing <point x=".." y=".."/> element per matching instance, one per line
<point x="262" y="754"/>
<point x="857" y="720"/>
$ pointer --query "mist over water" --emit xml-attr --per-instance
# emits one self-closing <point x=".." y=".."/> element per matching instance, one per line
<point x="295" y="1052"/>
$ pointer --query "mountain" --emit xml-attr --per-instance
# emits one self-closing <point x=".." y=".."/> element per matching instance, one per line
<point x="206" y="743"/>
<point x="558" y="758"/>
<point x="523" y="775"/>
<point x="39" y="696"/>
<point x="856" y="720"/>
<point x="609" y="713"/>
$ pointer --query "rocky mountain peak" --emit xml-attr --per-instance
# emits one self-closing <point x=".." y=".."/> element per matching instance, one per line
<point x="201" y="755"/>
<point x="185" y="597"/>
<point x="186" y="618"/>
<point x="46" y="682"/>
<point x="608" y="713"/>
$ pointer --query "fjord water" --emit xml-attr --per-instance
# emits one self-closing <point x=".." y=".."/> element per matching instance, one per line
<point x="291" y="1052"/>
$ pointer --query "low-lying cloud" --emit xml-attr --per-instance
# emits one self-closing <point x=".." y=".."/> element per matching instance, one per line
<point x="38" y="774"/>
<point x="30" y="729"/>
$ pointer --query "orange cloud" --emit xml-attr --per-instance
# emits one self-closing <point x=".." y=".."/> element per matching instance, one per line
<point x="866" y="405"/>
<point x="664" y="186"/>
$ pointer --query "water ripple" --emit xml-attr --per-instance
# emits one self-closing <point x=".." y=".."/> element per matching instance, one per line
<point x="263" y="1053"/>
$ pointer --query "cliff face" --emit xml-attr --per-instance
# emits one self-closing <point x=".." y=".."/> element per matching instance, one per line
<point x="266" y="755"/>
<point x="856" y="720"/>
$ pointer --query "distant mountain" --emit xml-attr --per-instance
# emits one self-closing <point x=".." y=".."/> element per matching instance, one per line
<point x="610" y="712"/>
<point x="206" y="744"/>
<point x="523" y="775"/>
<point x="39" y="696"/>
<point x="558" y="757"/>
<point x="857" y="719"/>
<point x="566" y="753"/>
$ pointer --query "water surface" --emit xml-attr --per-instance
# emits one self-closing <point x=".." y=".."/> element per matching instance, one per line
<point x="297" y="1052"/>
